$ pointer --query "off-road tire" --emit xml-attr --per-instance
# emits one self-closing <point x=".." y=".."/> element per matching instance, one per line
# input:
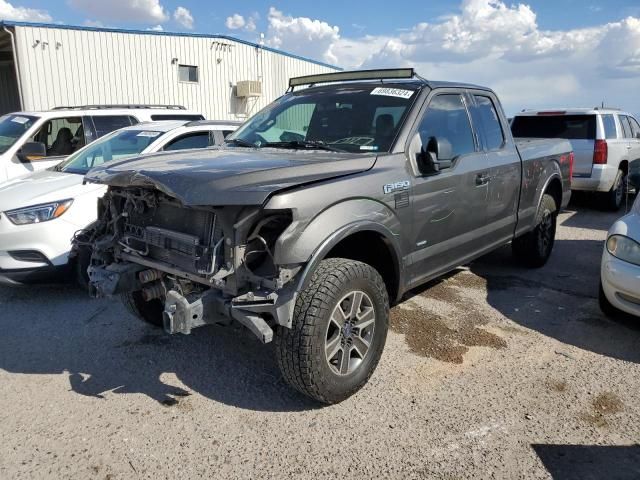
<point x="534" y="248"/>
<point x="148" y="312"/>
<point x="614" y="198"/>
<point x="605" y="305"/>
<point x="300" y="350"/>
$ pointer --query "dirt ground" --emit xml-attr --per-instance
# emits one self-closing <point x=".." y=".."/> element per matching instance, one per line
<point x="492" y="372"/>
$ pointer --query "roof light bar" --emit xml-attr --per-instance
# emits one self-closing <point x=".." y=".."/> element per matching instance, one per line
<point x="383" y="74"/>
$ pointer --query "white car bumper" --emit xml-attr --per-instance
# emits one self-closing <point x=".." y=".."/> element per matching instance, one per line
<point x="600" y="180"/>
<point x="29" y="252"/>
<point x="621" y="283"/>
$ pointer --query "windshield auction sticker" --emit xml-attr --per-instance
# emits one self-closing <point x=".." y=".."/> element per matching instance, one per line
<point x="148" y="134"/>
<point x="20" y="120"/>
<point x="392" y="92"/>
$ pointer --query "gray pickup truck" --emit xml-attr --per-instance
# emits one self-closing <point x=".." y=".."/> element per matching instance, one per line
<point x="320" y="211"/>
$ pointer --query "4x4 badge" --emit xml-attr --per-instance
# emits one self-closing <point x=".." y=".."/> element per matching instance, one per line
<point x="396" y="186"/>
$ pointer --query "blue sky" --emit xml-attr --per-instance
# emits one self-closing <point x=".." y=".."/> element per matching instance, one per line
<point x="534" y="53"/>
<point x="375" y="16"/>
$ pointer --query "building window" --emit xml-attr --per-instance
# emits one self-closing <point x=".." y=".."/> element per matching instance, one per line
<point x="188" y="73"/>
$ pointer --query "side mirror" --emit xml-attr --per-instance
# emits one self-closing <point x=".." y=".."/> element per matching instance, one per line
<point x="32" y="152"/>
<point x="435" y="156"/>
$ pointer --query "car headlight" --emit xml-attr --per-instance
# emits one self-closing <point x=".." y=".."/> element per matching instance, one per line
<point x="624" y="248"/>
<point x="38" y="213"/>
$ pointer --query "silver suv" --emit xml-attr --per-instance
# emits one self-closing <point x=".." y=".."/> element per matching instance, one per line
<point x="606" y="144"/>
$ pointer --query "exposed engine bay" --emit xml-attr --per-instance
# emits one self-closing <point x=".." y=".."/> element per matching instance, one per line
<point x="197" y="265"/>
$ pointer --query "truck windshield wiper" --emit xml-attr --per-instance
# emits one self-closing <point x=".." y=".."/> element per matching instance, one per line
<point x="241" y="143"/>
<point x="302" y="144"/>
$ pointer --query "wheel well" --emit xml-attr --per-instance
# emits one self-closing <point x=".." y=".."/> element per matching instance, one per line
<point x="373" y="249"/>
<point x="555" y="190"/>
<point x="624" y="166"/>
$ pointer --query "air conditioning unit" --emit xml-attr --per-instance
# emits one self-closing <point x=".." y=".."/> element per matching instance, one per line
<point x="249" y="88"/>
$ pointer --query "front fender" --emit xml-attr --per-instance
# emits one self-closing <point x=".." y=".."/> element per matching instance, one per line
<point x="310" y="242"/>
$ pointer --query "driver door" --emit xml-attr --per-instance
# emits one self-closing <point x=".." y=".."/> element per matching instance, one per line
<point x="449" y="207"/>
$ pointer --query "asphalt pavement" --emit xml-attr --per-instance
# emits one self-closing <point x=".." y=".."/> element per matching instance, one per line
<point x="494" y="371"/>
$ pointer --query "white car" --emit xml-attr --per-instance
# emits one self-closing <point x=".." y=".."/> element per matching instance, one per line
<point x="32" y="141"/>
<point x="40" y="212"/>
<point x="620" y="267"/>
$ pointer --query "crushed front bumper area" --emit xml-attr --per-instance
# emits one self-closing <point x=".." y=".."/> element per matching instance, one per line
<point x="259" y="310"/>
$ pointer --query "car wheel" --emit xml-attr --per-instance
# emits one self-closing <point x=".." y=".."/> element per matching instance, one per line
<point x="149" y="312"/>
<point x="534" y="248"/>
<point x="615" y="197"/>
<point x="80" y="266"/>
<point x="605" y="305"/>
<point x="338" y="331"/>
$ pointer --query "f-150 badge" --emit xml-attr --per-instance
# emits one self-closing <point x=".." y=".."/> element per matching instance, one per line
<point x="396" y="186"/>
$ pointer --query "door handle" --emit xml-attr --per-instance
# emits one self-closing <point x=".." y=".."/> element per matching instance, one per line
<point x="482" y="179"/>
<point x="629" y="147"/>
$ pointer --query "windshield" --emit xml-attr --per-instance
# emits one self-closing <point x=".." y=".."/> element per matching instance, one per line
<point x="116" y="146"/>
<point x="12" y="127"/>
<point x="349" y="119"/>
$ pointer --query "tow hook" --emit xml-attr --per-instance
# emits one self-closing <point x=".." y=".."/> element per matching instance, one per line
<point x="180" y="316"/>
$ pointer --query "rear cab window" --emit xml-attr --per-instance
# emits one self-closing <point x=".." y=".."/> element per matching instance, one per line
<point x="572" y="127"/>
<point x="488" y="122"/>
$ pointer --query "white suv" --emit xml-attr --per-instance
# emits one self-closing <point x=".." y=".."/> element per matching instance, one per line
<point x="606" y="144"/>
<point x="41" y="211"/>
<point x="32" y="141"/>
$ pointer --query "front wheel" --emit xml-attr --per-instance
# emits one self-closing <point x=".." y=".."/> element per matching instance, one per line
<point x="533" y="249"/>
<point x="149" y="312"/>
<point x="338" y="331"/>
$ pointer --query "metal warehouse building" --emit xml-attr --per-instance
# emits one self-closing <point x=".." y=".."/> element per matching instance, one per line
<point x="44" y="66"/>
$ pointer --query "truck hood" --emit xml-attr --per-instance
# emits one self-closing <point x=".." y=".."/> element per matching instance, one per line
<point x="41" y="187"/>
<point x="229" y="176"/>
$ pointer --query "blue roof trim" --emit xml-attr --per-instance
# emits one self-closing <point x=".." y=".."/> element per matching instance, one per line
<point x="169" y="34"/>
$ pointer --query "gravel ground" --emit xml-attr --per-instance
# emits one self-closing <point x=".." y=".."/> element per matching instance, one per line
<point x="492" y="372"/>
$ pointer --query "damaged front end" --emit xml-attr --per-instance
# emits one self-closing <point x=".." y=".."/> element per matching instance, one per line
<point x="190" y="266"/>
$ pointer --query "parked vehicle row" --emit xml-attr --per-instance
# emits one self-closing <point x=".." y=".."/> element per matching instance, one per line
<point x="42" y="211"/>
<point x="32" y="141"/>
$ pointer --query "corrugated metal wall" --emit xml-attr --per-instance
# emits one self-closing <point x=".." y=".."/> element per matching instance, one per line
<point x="9" y="101"/>
<point x="76" y="67"/>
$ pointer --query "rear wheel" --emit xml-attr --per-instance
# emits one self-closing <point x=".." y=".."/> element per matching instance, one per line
<point x="615" y="197"/>
<point x="149" y="312"/>
<point x="338" y="332"/>
<point x="533" y="249"/>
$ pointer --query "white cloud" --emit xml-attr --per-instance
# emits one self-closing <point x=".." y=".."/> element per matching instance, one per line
<point x="22" y="14"/>
<point x="156" y="28"/>
<point x="143" y="11"/>
<point x="183" y="17"/>
<point x="491" y="43"/>
<point x="303" y="35"/>
<point x="237" y="22"/>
